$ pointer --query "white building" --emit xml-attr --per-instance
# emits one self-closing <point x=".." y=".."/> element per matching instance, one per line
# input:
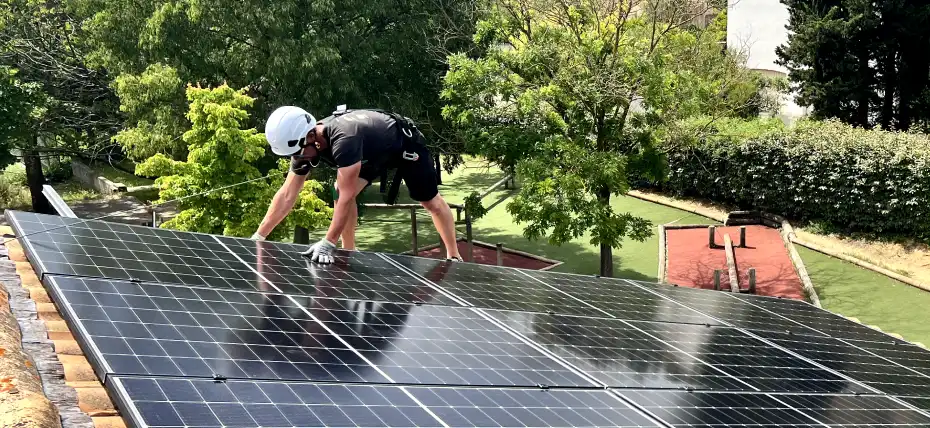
<point x="757" y="27"/>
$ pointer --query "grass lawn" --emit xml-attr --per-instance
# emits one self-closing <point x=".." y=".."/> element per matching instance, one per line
<point x="72" y="191"/>
<point x="873" y="298"/>
<point x="636" y="260"/>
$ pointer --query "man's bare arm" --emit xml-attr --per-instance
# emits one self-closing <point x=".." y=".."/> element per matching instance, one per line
<point x="347" y="182"/>
<point x="282" y="203"/>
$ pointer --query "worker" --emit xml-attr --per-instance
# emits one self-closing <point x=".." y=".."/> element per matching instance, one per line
<point x="361" y="145"/>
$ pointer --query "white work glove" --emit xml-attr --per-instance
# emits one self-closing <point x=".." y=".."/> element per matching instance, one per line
<point x="257" y="237"/>
<point x="321" y="252"/>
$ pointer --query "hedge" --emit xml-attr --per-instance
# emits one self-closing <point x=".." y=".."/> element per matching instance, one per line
<point x="856" y="179"/>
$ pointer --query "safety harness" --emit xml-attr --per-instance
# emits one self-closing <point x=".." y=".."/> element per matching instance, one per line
<point x="411" y="139"/>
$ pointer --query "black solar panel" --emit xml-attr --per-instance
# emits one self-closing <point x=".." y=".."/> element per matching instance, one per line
<point x="112" y="250"/>
<point x="621" y="299"/>
<point x="724" y="307"/>
<point x="173" y="402"/>
<point x="165" y="330"/>
<point x="195" y="330"/>
<point x="494" y="287"/>
<point x="710" y="409"/>
<point x="809" y="315"/>
<point x="854" y="362"/>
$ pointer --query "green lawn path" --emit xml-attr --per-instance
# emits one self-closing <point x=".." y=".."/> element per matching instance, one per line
<point x="842" y="287"/>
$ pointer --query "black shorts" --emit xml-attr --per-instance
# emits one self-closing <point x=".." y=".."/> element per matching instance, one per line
<point x="419" y="175"/>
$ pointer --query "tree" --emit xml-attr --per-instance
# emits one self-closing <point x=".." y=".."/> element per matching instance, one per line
<point x="573" y="94"/>
<point x="23" y="108"/>
<point x="314" y="54"/>
<point x="862" y="62"/>
<point x="220" y="155"/>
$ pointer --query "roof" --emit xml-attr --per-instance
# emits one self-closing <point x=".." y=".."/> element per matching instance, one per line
<point x="74" y="391"/>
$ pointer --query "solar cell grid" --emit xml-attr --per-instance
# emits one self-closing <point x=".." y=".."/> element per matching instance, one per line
<point x="616" y="354"/>
<point x="899" y="351"/>
<point x="829" y="323"/>
<point x="764" y="367"/>
<point x="442" y="345"/>
<point x="111" y="250"/>
<point x="706" y="409"/>
<point x="855" y="411"/>
<point x="355" y="275"/>
<point x="724" y="307"/>
<point x="493" y="287"/>
<point x="167" y="330"/>
<point x="854" y="362"/>
<point x="621" y="299"/>
<point x="166" y="402"/>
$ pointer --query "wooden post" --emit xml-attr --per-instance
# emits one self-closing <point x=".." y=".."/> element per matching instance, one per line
<point x="717" y="279"/>
<point x="413" y="230"/>
<point x="500" y="254"/>
<point x="468" y="238"/>
<point x="458" y="214"/>
<point x="301" y="235"/>
<point x="442" y="249"/>
<point x="742" y="236"/>
<point x="712" y="236"/>
<point x="731" y="264"/>
<point x="752" y="281"/>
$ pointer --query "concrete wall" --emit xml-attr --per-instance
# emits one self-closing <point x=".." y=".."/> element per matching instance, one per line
<point x="89" y="178"/>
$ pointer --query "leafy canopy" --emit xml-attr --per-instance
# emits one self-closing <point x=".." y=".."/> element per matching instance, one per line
<point x="573" y="95"/>
<point x="220" y="154"/>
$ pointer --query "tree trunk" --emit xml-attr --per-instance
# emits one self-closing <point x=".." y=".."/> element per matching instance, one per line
<point x="35" y="179"/>
<point x="607" y="254"/>
<point x="438" y="170"/>
<point x="889" y="88"/>
<point x="865" y="92"/>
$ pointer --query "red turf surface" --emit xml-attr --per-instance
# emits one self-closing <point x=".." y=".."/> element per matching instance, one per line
<point x="691" y="263"/>
<point x="488" y="256"/>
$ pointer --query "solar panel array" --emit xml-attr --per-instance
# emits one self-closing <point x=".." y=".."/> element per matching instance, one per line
<point x="196" y="330"/>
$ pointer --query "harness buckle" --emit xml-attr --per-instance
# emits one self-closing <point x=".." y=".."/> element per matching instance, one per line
<point x="410" y="156"/>
<point x="407" y="132"/>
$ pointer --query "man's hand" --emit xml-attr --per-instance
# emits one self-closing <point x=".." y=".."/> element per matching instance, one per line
<point x="321" y="252"/>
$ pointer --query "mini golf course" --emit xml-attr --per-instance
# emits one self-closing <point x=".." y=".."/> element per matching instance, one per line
<point x="692" y="260"/>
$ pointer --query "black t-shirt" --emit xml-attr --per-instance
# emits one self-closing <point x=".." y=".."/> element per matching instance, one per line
<point x="360" y="135"/>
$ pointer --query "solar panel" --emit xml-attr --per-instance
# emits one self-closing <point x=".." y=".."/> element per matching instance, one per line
<point x="355" y="275"/>
<point x="621" y="299"/>
<point x="818" y="319"/>
<point x="724" y="307"/>
<point x="111" y="250"/>
<point x="166" y="330"/>
<point x="444" y="345"/>
<point x="658" y="355"/>
<point x="719" y="409"/>
<point x="176" y="402"/>
<point x="199" y="330"/>
<point x="855" y="363"/>
<point x="493" y="287"/>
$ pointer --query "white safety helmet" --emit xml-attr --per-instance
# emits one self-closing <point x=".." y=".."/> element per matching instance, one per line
<point x="287" y="128"/>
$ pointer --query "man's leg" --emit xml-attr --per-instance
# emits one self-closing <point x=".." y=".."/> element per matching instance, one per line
<point x="348" y="233"/>
<point x="444" y="222"/>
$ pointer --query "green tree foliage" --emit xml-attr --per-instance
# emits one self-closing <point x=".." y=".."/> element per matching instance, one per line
<point x="575" y="94"/>
<point x="220" y="154"/>
<point x="154" y="115"/>
<point x="862" y="62"/>
<point x="388" y="54"/>
<point x="22" y="112"/>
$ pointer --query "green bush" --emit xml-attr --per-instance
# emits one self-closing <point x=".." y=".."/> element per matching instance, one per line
<point x="13" y="191"/>
<point x="856" y="179"/>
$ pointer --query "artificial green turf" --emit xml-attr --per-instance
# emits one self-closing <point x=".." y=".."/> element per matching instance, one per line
<point x="636" y="260"/>
<point x="873" y="298"/>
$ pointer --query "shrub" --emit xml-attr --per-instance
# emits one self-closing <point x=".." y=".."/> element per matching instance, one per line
<point x="856" y="179"/>
<point x="15" y="174"/>
<point x="13" y="191"/>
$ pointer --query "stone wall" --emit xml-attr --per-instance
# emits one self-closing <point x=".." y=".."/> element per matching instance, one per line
<point x="89" y="178"/>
